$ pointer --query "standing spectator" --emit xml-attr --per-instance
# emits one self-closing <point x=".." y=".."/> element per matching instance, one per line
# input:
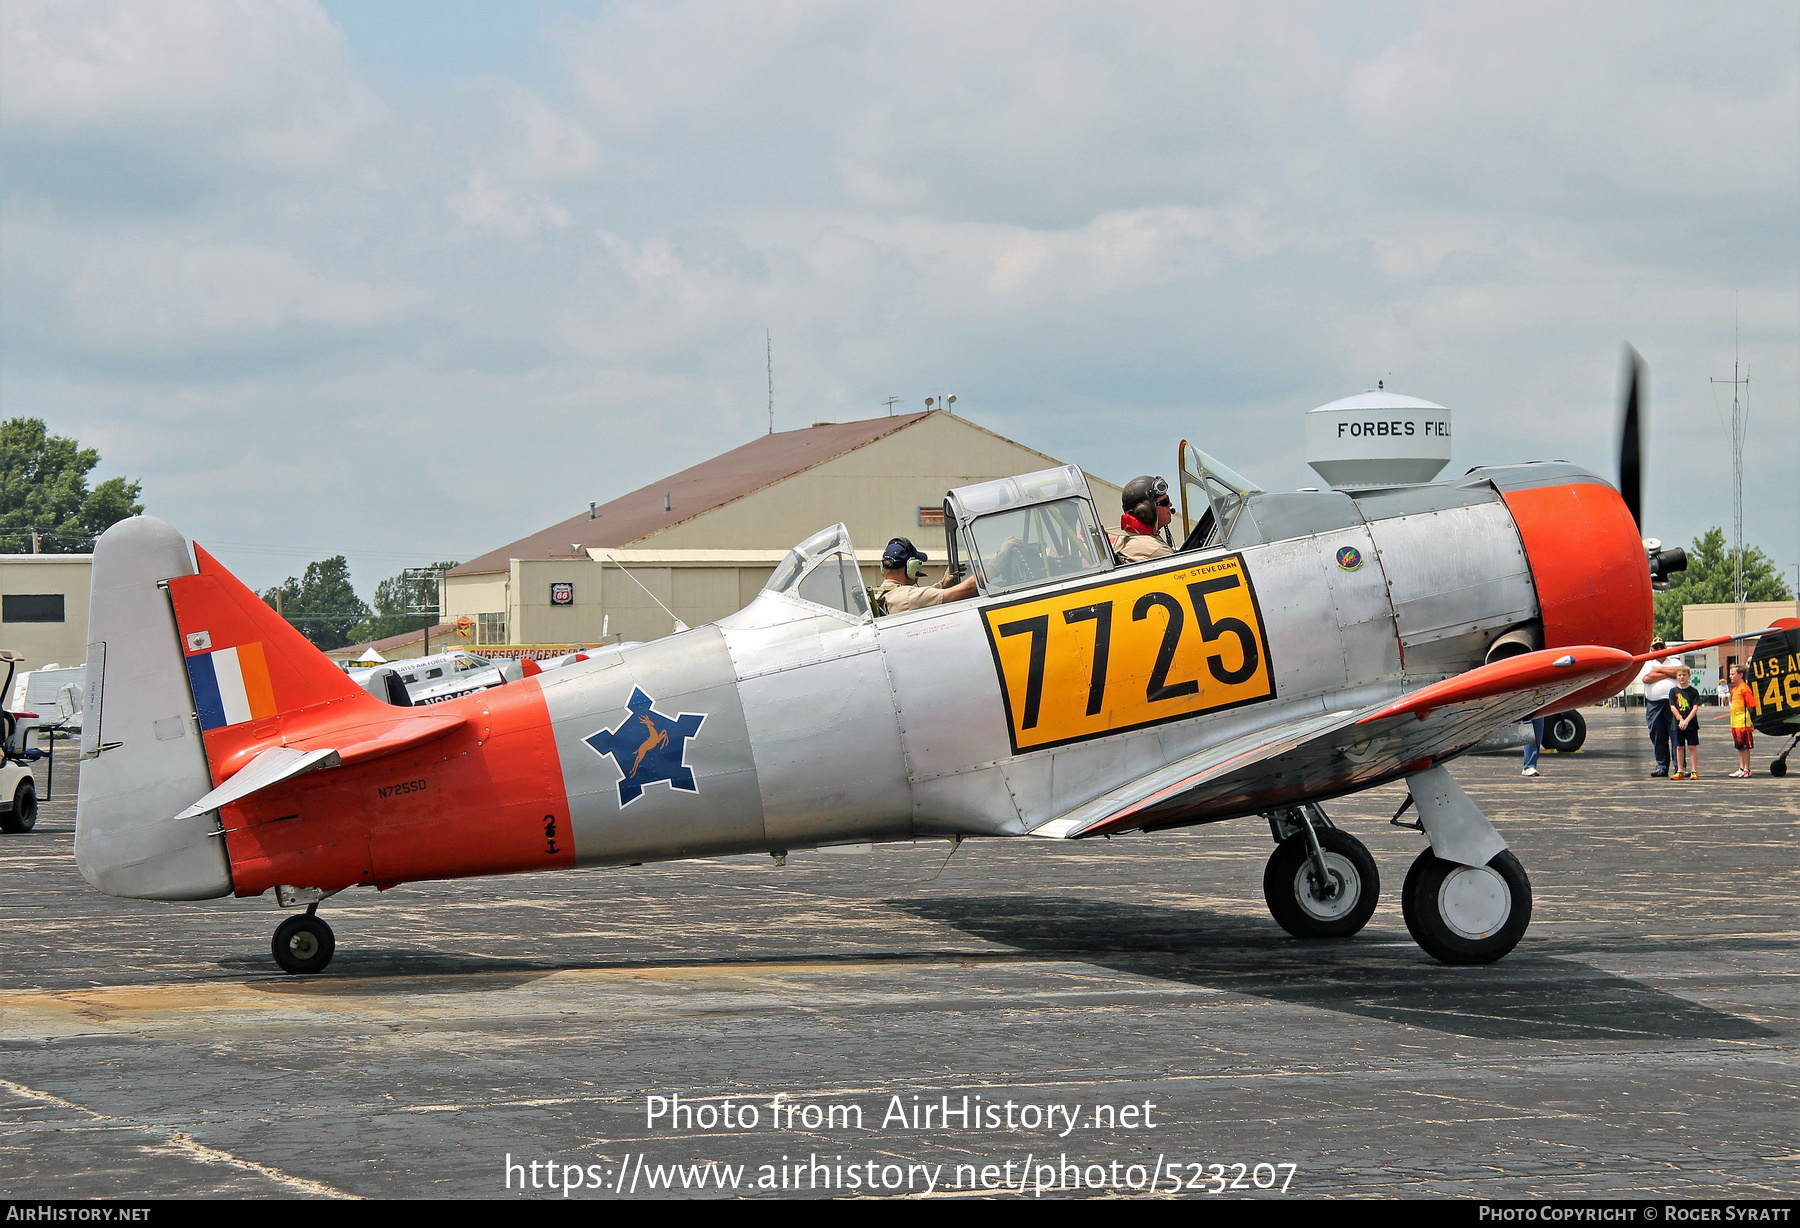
<point x="1684" y="711"/>
<point x="1658" y="679"/>
<point x="1531" y="748"/>
<point x="1743" y="699"/>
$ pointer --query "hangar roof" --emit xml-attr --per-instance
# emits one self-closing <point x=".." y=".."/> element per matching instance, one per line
<point x="694" y="491"/>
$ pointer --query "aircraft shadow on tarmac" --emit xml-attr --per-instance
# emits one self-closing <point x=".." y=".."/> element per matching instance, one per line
<point x="1524" y="996"/>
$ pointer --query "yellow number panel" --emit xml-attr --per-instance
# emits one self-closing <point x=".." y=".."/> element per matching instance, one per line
<point x="1131" y="652"/>
<point x="1776" y="680"/>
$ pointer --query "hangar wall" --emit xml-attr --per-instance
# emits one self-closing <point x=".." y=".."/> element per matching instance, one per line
<point x="45" y="631"/>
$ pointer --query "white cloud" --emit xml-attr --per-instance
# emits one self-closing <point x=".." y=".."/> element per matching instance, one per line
<point x="1103" y="226"/>
<point x="262" y="82"/>
<point x="163" y="296"/>
<point x="516" y="214"/>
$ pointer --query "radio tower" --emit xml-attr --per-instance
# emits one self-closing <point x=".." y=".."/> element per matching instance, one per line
<point x="1740" y="427"/>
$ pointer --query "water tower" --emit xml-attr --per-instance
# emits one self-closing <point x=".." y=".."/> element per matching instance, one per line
<point x="1378" y="439"/>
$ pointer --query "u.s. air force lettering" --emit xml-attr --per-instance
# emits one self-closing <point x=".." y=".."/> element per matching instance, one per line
<point x="649" y="747"/>
<point x="1127" y="653"/>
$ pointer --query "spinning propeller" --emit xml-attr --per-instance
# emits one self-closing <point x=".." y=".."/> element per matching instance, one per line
<point x="1663" y="563"/>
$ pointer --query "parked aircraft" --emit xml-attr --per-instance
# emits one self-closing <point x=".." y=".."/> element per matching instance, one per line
<point x="1300" y="647"/>
<point x="1774" y="675"/>
<point x="432" y="679"/>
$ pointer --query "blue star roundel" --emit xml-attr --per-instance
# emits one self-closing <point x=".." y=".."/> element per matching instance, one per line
<point x="649" y="747"/>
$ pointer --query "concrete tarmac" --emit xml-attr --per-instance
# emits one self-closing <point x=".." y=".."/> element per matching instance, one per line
<point x="1641" y="1041"/>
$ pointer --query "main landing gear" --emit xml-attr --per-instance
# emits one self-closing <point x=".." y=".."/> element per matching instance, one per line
<point x="1320" y="881"/>
<point x="1466" y="899"/>
<point x="303" y="943"/>
<point x="1466" y="914"/>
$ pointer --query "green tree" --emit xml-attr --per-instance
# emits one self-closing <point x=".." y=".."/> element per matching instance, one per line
<point x="1708" y="579"/>
<point x="321" y="603"/>
<point x="396" y="599"/>
<point x="44" y="487"/>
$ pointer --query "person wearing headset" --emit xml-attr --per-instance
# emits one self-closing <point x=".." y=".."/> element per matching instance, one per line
<point x="1145" y="524"/>
<point x="900" y="589"/>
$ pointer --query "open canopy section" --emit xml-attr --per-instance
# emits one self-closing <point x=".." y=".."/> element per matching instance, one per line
<point x="822" y="570"/>
<point x="1212" y="495"/>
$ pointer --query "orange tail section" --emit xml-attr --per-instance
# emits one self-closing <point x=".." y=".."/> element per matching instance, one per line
<point x="259" y="684"/>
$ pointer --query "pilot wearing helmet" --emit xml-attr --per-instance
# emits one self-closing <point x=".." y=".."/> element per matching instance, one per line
<point x="1145" y="523"/>
<point x="900" y="589"/>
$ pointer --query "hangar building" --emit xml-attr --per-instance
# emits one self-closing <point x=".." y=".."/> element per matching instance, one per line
<point x="44" y="607"/>
<point x="705" y="540"/>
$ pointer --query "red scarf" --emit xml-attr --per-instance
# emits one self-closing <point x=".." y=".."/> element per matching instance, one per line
<point x="1131" y="524"/>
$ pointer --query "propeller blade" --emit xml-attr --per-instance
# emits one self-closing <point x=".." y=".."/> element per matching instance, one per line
<point x="1631" y="439"/>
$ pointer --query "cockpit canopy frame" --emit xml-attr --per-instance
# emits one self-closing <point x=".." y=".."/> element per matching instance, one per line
<point x="822" y="571"/>
<point x="1212" y="497"/>
<point x="1017" y="532"/>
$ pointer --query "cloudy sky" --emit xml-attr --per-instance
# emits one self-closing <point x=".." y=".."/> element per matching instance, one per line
<point x="406" y="280"/>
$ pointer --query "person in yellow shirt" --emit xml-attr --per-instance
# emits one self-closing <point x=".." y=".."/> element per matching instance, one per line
<point x="1743" y="701"/>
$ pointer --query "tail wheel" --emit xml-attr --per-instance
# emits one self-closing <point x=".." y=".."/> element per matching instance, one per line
<point x="1337" y="908"/>
<point x="24" y="810"/>
<point x="1778" y="767"/>
<point x="303" y="944"/>
<point x="1565" y="732"/>
<point x="1466" y="914"/>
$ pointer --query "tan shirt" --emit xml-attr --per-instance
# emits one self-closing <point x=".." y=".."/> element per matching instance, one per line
<point x="903" y="597"/>
<point x="1136" y="547"/>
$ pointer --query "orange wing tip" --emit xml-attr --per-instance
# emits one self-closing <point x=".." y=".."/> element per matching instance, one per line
<point x="1551" y="667"/>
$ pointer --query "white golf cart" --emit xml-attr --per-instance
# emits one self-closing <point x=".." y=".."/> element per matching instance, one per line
<point x="18" y="788"/>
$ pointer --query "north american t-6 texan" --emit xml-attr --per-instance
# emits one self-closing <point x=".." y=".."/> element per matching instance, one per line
<point x="1297" y="648"/>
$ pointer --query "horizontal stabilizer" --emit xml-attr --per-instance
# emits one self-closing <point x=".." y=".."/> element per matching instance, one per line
<point x="350" y="742"/>
<point x="273" y="766"/>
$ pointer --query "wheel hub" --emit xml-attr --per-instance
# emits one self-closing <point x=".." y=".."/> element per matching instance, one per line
<point x="1474" y="902"/>
<point x="304" y="945"/>
<point x="1340" y="895"/>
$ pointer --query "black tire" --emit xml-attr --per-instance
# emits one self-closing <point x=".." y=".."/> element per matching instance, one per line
<point x="1458" y="939"/>
<point x="1293" y="901"/>
<point x="1565" y="732"/>
<point x="303" y="944"/>
<point x="24" y="811"/>
<point x="1778" y="767"/>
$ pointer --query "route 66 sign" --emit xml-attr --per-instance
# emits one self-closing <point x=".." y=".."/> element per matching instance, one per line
<point x="562" y="594"/>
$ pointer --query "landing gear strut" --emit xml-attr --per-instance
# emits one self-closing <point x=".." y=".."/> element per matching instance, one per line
<point x="303" y="943"/>
<point x="1320" y="881"/>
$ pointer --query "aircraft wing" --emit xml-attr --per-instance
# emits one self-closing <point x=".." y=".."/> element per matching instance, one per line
<point x="1347" y="750"/>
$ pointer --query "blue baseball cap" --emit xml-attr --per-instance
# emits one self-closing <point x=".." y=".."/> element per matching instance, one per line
<point x="898" y="551"/>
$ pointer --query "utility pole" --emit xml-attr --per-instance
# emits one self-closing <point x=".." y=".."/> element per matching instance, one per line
<point x="1740" y="427"/>
<point x="769" y="356"/>
<point x="427" y="579"/>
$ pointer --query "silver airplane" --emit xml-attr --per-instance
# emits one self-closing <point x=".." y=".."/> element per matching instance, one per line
<point x="1298" y="648"/>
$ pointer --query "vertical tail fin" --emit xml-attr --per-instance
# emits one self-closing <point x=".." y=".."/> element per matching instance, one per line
<point x="142" y="758"/>
<point x="251" y="673"/>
